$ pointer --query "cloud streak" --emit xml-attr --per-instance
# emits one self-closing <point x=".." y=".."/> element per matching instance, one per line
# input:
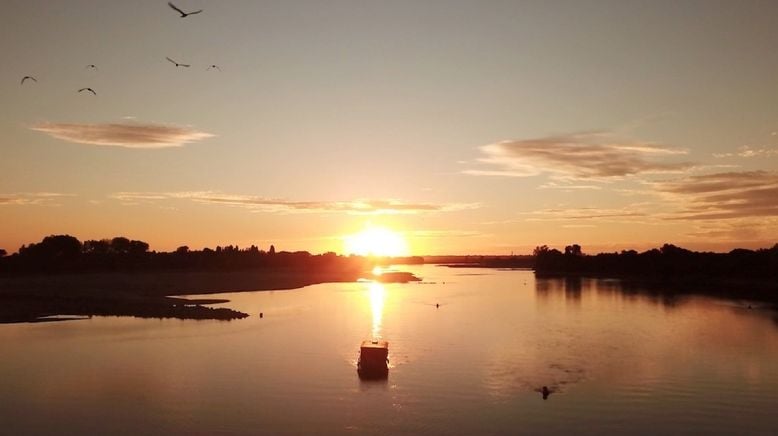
<point x="723" y="195"/>
<point x="367" y="207"/>
<point x="30" y="198"/>
<point x="127" y="135"/>
<point x="735" y="230"/>
<point x="594" y="156"/>
<point x="631" y="212"/>
<point x="442" y="234"/>
<point x="746" y="151"/>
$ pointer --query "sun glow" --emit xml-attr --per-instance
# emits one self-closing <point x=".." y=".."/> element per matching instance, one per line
<point x="376" y="241"/>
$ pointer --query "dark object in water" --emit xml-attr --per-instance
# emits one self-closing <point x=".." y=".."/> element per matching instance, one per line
<point x="373" y="360"/>
<point x="396" y="277"/>
<point x="261" y="314"/>
<point x="545" y="391"/>
<point x="437" y="305"/>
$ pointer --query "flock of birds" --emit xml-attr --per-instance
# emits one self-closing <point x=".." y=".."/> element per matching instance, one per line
<point x="177" y="64"/>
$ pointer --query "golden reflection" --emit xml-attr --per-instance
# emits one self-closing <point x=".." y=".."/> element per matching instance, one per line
<point x="377" y="297"/>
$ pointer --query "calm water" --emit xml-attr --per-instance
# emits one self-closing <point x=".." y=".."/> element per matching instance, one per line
<point x="618" y="362"/>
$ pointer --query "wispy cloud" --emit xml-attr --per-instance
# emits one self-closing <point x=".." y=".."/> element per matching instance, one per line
<point x="723" y="195"/>
<point x="128" y="135"/>
<point x="735" y="230"/>
<point x="31" y="198"/>
<point x="592" y="155"/>
<point x="373" y="207"/>
<point x="569" y="186"/>
<point x="746" y="151"/>
<point x="439" y="234"/>
<point x="585" y="216"/>
<point x="588" y="214"/>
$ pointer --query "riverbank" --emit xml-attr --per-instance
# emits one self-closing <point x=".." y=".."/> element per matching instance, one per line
<point x="41" y="307"/>
<point x="152" y="294"/>
<point x="29" y="297"/>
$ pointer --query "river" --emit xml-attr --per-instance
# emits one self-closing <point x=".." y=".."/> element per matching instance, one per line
<point x="614" y="362"/>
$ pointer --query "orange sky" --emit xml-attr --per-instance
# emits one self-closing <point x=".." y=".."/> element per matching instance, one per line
<point x="465" y="127"/>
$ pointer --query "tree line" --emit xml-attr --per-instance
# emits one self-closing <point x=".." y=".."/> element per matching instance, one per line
<point x="666" y="261"/>
<point x="65" y="253"/>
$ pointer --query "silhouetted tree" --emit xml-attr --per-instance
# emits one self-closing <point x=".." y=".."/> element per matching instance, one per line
<point x="3" y="252"/>
<point x="54" y="247"/>
<point x="672" y="250"/>
<point x="573" y="250"/>
<point x="540" y="250"/>
<point x="272" y="250"/>
<point x="182" y="249"/>
<point x="100" y="247"/>
<point x="138" y="247"/>
<point x="120" y="244"/>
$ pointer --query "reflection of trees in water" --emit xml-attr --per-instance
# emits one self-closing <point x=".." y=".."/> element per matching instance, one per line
<point x="572" y="289"/>
<point x="568" y="288"/>
<point x="665" y="296"/>
<point x="543" y="288"/>
<point x="573" y="286"/>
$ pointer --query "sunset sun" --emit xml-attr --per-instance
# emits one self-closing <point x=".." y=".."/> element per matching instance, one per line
<point x="376" y="241"/>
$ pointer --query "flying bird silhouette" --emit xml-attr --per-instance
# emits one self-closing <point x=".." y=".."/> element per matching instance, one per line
<point x="213" y="66"/>
<point x="87" y="89"/>
<point x="183" y="14"/>
<point x="29" y="77"/>
<point x="176" y="63"/>
<point x="92" y="66"/>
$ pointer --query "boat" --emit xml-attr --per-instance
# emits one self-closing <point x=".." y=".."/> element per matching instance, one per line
<point x="373" y="360"/>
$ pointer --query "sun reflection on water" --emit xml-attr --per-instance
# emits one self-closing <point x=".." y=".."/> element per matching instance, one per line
<point x="377" y="297"/>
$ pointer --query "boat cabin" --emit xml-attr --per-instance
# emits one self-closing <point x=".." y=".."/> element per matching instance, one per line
<point x="373" y="359"/>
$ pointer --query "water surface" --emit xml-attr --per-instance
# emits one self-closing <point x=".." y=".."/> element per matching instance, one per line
<point x="616" y="362"/>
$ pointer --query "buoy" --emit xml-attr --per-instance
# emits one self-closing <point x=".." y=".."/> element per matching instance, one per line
<point x="261" y="314"/>
<point x="437" y="305"/>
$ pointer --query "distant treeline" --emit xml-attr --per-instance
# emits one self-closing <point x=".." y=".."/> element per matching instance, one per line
<point x="65" y="253"/>
<point x="489" y="261"/>
<point x="665" y="262"/>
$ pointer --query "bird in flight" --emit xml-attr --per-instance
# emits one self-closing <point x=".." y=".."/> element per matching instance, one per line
<point x="212" y="67"/>
<point x="87" y="89"/>
<point x="91" y="66"/>
<point x="183" y="14"/>
<point x="176" y="63"/>
<point x="29" y="77"/>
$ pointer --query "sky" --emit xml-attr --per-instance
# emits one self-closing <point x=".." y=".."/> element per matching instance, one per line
<point x="484" y="127"/>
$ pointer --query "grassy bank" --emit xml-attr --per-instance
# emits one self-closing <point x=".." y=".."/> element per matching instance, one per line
<point x="28" y="297"/>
